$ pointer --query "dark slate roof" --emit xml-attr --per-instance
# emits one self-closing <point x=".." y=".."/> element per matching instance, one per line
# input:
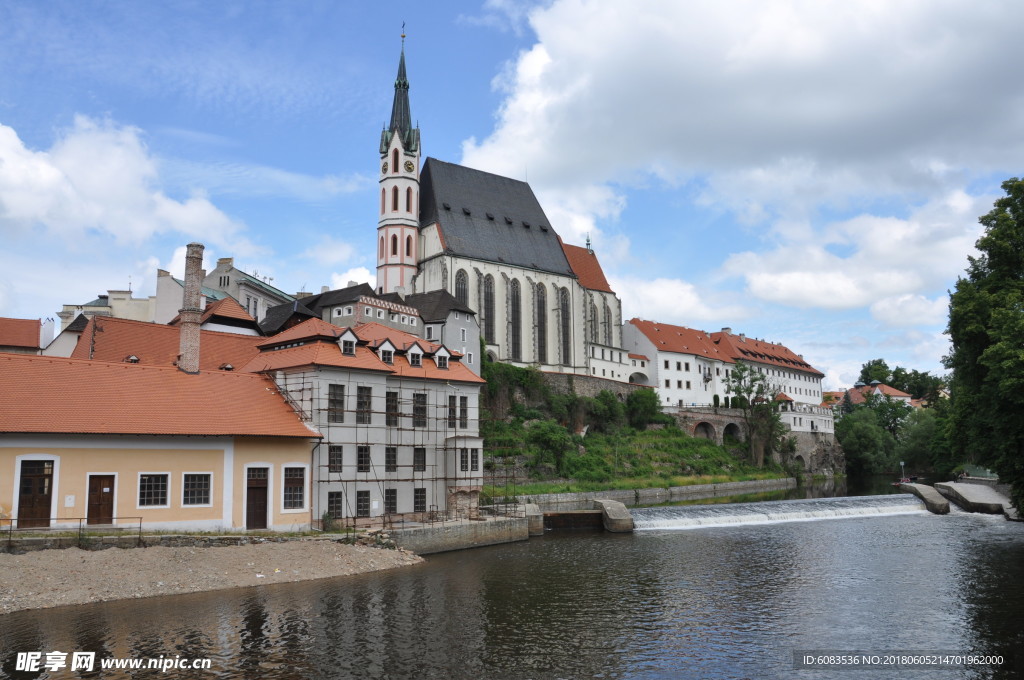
<point x="278" y="315"/>
<point x="435" y="306"/>
<point x="79" y="324"/>
<point x="489" y="217"/>
<point x="401" y="114"/>
<point x="341" y="296"/>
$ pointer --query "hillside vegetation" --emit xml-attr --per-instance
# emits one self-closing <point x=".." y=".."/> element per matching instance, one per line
<point x="536" y="441"/>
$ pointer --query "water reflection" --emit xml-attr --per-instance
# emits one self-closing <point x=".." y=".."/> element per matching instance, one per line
<point x="722" y="602"/>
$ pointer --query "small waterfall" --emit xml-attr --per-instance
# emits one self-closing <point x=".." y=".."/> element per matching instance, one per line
<point x="734" y="514"/>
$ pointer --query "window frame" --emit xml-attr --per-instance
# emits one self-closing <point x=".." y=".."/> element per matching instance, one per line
<point x="166" y="492"/>
<point x="291" y="505"/>
<point x="209" y="489"/>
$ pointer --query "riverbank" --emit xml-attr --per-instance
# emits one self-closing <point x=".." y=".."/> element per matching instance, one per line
<point x="55" y="578"/>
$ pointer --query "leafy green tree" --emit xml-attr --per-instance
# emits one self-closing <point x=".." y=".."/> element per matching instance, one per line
<point x="760" y="410"/>
<point x="607" y="413"/>
<point x="876" y="369"/>
<point x="869" y="448"/>
<point x="890" y="413"/>
<point x="917" y="436"/>
<point x="986" y="324"/>
<point x="642" y="408"/>
<point x="551" y="442"/>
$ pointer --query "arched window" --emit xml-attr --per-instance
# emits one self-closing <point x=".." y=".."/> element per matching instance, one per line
<point x="515" y="305"/>
<point x="608" y="324"/>
<point x="408" y="246"/>
<point x="394" y="199"/>
<point x="444" y="277"/>
<point x="489" y="308"/>
<point x="408" y="200"/>
<point x="592" y="326"/>
<point x="383" y="200"/>
<point x="394" y="245"/>
<point x="394" y="161"/>
<point x="542" y="324"/>
<point x="462" y="287"/>
<point x="565" y="313"/>
<point x="380" y="254"/>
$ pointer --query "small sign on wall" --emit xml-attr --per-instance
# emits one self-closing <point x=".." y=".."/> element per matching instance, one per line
<point x="69" y="501"/>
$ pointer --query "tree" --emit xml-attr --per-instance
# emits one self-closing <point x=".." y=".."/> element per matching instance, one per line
<point x="868" y="446"/>
<point x="552" y="443"/>
<point x="917" y="437"/>
<point x="642" y="407"/>
<point x="986" y="324"/>
<point x="890" y="413"/>
<point x="876" y="369"/>
<point x="756" y="398"/>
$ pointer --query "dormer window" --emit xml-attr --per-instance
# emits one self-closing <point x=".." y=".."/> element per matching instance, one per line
<point x="415" y="359"/>
<point x="442" y="362"/>
<point x="387" y="356"/>
<point x="348" y="347"/>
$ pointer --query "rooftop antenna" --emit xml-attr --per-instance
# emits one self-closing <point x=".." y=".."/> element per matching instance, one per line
<point x="589" y="249"/>
<point x="403" y="35"/>
<point x="129" y="285"/>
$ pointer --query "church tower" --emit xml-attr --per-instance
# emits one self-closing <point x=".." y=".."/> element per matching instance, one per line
<point x="398" y="226"/>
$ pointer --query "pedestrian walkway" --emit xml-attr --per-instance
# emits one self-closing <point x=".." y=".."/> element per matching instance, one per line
<point x="977" y="498"/>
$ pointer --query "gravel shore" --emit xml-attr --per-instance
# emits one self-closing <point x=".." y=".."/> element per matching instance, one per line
<point x="54" y="578"/>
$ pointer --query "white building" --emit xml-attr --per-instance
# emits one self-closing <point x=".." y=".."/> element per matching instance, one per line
<point x="399" y="418"/>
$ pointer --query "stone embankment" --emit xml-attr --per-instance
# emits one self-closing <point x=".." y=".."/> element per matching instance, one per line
<point x="54" y="578"/>
<point x="933" y="500"/>
<point x="977" y="498"/>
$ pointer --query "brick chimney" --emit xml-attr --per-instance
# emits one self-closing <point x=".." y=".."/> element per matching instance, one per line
<point x="191" y="312"/>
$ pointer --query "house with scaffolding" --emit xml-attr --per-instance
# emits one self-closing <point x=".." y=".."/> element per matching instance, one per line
<point x="399" y="417"/>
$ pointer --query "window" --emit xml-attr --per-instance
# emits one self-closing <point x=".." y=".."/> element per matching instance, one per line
<point x="335" y="505"/>
<point x="463" y="412"/>
<point x="362" y="458"/>
<point x="348" y="347"/>
<point x="419" y="459"/>
<point x="464" y="460"/>
<point x="679" y="366"/>
<point x="408" y="209"/>
<point x="195" y="489"/>
<point x="363" y="396"/>
<point x="687" y="365"/>
<point x="442" y="361"/>
<point x="394" y="161"/>
<point x="489" y="308"/>
<point x="387" y="356"/>
<point x="668" y="383"/>
<point x="390" y="459"/>
<point x="593" y="323"/>
<point x="390" y="501"/>
<point x="608" y="325"/>
<point x="679" y="384"/>
<point x="334" y="458"/>
<point x="394" y="208"/>
<point x="415" y="359"/>
<point x="153" y="490"/>
<point x="419" y="410"/>
<point x="336" y="404"/>
<point x="383" y="201"/>
<point x="430" y="332"/>
<point x="362" y="503"/>
<point x="474" y="459"/>
<point x="566" y="326"/>
<point x="391" y="409"/>
<point x="516" y="312"/>
<point x="394" y="245"/>
<point x="469" y="358"/>
<point x="419" y="499"/>
<point x="462" y="333"/>
<point x="687" y="384"/>
<point x="294" y="488"/>
<point x="368" y="311"/>
<point x="451" y="411"/>
<point x="462" y="287"/>
<point x="541" y="325"/>
<point x="666" y="364"/>
<point x="337" y="311"/>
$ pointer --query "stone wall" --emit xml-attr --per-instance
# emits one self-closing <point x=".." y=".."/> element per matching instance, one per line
<point x="448" y="536"/>
<point x="818" y="453"/>
<point x="588" y="386"/>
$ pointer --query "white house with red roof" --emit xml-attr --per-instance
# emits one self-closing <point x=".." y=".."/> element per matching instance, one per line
<point x="399" y="417"/>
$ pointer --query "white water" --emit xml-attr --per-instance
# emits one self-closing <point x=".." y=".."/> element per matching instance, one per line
<point x="680" y="517"/>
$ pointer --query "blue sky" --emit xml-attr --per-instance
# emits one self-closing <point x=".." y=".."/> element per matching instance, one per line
<point x="809" y="173"/>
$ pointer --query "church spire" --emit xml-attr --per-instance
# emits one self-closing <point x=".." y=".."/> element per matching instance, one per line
<point x="401" y="115"/>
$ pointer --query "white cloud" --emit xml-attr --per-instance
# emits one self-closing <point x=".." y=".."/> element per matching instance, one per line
<point x="329" y="251"/>
<point x="911" y="310"/>
<point x="258" y="181"/>
<point x="356" y="274"/>
<point x="674" y="301"/>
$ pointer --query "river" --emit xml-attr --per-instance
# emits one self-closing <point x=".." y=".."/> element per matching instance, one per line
<point x="679" y="598"/>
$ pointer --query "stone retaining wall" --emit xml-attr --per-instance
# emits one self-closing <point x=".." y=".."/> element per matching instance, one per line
<point x="633" y="497"/>
<point x="447" y="536"/>
<point x="589" y="386"/>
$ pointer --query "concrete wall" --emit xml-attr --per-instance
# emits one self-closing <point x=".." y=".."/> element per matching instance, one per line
<point x="632" y="497"/>
<point x="448" y="536"/>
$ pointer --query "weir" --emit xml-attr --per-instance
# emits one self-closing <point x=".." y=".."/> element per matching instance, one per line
<point x="738" y="514"/>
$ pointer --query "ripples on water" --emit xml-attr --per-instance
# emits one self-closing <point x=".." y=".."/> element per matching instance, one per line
<point x="729" y="602"/>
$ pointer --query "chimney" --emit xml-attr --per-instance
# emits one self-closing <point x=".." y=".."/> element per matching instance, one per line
<point x="191" y="312"/>
<point x="727" y="331"/>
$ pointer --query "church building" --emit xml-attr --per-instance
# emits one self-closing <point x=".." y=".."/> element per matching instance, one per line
<point x="485" y="239"/>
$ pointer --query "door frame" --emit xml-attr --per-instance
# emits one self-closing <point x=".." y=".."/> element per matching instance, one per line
<point x="245" y="493"/>
<point x="88" y="484"/>
<point x="54" y="483"/>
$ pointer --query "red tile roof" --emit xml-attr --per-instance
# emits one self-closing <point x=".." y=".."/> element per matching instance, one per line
<point x="759" y="351"/>
<point x="57" y="395"/>
<point x="858" y="395"/>
<point x="586" y="267"/>
<point x="19" y="333"/>
<point x="638" y="356"/>
<point x="110" y="339"/>
<point x="315" y="353"/>
<point x="668" y="338"/>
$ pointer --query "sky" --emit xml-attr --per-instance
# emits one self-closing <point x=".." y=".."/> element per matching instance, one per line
<point x="804" y="172"/>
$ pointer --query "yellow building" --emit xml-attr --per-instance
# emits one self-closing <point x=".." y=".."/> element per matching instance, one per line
<point x="110" y="443"/>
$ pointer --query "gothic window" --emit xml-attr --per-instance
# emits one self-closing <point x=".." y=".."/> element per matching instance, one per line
<point x="394" y="199"/>
<point x="489" y="308"/>
<point x="381" y="253"/>
<point x="408" y="246"/>
<point x="394" y="245"/>
<point x="408" y="200"/>
<point x="565" y="321"/>
<point x="516" y="311"/>
<point x="462" y="286"/>
<point x="542" y="325"/>
<point x="444" y="277"/>
<point x="383" y="200"/>
<point x="394" y="163"/>
<point x="607" y="324"/>
<point x="593" y="322"/>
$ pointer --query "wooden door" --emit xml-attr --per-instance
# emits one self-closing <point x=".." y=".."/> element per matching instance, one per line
<point x="101" y="499"/>
<point x="256" y="498"/>
<point x="35" y="495"/>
